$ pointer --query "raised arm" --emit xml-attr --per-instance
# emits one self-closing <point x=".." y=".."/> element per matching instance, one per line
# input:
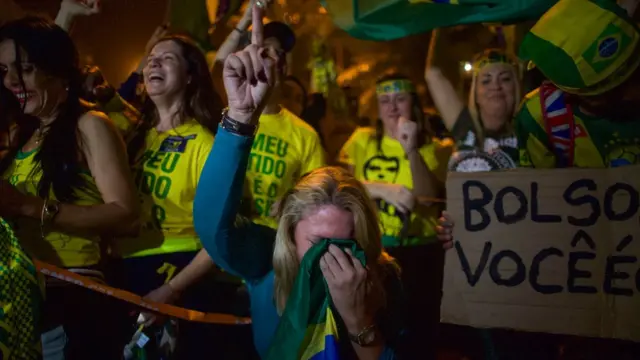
<point x="442" y="92"/>
<point x="240" y="247"/>
<point x="70" y="9"/>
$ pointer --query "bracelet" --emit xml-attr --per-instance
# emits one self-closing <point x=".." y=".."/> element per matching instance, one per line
<point x="49" y="211"/>
<point x="240" y="31"/>
<point x="237" y="127"/>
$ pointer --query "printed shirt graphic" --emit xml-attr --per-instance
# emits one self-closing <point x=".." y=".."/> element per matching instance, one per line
<point x="391" y="166"/>
<point x="498" y="152"/>
<point x="599" y="142"/>
<point x="167" y="176"/>
<point x="58" y="249"/>
<point x="284" y="149"/>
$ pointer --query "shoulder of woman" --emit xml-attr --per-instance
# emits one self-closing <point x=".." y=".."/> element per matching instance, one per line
<point x="93" y="121"/>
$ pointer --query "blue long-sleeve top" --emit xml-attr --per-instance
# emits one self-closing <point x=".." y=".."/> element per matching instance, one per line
<point x="245" y="249"/>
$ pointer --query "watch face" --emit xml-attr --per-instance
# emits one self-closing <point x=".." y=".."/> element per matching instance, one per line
<point x="369" y="337"/>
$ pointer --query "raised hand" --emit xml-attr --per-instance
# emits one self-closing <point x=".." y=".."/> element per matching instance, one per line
<point x="80" y="7"/>
<point x="249" y="75"/>
<point x="407" y="134"/>
<point x="444" y="231"/>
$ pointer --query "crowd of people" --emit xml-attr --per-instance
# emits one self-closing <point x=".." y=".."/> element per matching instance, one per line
<point x="221" y="202"/>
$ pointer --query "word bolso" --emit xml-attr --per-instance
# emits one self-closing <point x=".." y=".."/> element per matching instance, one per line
<point x="579" y="193"/>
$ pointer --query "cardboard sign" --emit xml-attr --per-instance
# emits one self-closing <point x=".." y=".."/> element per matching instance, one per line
<point x="553" y="251"/>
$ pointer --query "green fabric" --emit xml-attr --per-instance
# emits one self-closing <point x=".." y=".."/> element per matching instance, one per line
<point x="561" y="50"/>
<point x="394" y="19"/>
<point x="20" y="300"/>
<point x="191" y="16"/>
<point x="308" y="301"/>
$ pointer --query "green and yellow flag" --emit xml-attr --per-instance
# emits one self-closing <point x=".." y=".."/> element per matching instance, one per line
<point x="394" y="19"/>
<point x="309" y="328"/>
<point x="20" y="300"/>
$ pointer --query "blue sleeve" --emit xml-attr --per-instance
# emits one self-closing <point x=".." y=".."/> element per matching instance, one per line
<point x="240" y="247"/>
<point x="127" y="89"/>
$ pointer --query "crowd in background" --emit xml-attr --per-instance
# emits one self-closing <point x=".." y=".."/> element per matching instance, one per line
<point x="105" y="182"/>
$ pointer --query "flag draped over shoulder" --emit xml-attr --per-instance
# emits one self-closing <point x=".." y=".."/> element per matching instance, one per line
<point x="394" y="19"/>
<point x="308" y="328"/>
<point x="20" y="300"/>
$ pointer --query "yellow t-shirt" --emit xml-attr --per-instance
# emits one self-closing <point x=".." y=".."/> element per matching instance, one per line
<point x="284" y="149"/>
<point x="57" y="248"/>
<point x="390" y="165"/>
<point x="167" y="176"/>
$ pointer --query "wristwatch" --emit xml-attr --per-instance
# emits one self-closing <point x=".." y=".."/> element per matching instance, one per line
<point x="365" y="337"/>
<point x="50" y="210"/>
<point x="237" y="127"/>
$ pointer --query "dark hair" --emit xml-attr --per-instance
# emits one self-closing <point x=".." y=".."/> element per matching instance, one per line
<point x="417" y="115"/>
<point x="52" y="51"/>
<point x="200" y="100"/>
<point x="281" y="31"/>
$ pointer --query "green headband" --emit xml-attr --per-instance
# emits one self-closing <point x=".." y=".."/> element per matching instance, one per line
<point x="491" y="57"/>
<point x="394" y="87"/>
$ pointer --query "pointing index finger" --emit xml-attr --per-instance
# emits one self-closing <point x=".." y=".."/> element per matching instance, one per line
<point x="257" y="29"/>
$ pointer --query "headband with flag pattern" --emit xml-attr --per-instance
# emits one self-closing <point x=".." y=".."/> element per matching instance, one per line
<point x="395" y="86"/>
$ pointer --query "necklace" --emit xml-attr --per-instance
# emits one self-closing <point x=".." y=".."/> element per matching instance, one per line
<point x="39" y="134"/>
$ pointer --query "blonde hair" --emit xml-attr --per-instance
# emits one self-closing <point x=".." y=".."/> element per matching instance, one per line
<point x="473" y="105"/>
<point x="328" y="186"/>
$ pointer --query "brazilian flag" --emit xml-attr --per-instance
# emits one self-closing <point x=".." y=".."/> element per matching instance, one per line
<point x="21" y="299"/>
<point x="308" y="328"/>
<point x="393" y="19"/>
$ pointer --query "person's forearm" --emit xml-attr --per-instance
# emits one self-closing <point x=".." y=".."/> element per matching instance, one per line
<point x="375" y="189"/>
<point x="218" y="197"/>
<point x="64" y="20"/>
<point x="231" y="43"/>
<point x="425" y="183"/>
<point x="197" y="268"/>
<point x="103" y="219"/>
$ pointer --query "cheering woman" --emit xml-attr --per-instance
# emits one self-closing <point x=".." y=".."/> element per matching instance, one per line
<point x="66" y="182"/>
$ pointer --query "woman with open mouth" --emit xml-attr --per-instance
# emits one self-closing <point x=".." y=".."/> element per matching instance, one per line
<point x="66" y="182"/>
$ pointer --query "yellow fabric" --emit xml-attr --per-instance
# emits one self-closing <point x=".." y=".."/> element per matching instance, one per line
<point x="391" y="166"/>
<point x="284" y="149"/>
<point x="599" y="143"/>
<point x="57" y="248"/>
<point x="323" y="73"/>
<point x="123" y="114"/>
<point x="601" y="26"/>
<point x="167" y="176"/>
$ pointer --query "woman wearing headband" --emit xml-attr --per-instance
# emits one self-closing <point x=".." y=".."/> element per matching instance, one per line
<point x="482" y="129"/>
<point x="400" y="163"/>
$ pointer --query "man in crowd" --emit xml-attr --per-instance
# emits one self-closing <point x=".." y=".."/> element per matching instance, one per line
<point x="285" y="147"/>
<point x="590" y="52"/>
<point x="586" y="115"/>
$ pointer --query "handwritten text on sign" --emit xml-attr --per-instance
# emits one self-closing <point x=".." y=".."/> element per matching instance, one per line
<point x="553" y="251"/>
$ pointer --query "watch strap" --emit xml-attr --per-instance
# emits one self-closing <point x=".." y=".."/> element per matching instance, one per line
<point x="361" y="337"/>
<point x="237" y="127"/>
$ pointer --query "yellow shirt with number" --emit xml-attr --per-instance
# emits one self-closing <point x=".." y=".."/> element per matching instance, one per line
<point x="285" y="148"/>
<point x="389" y="165"/>
<point x="167" y="176"/>
<point x="57" y="248"/>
